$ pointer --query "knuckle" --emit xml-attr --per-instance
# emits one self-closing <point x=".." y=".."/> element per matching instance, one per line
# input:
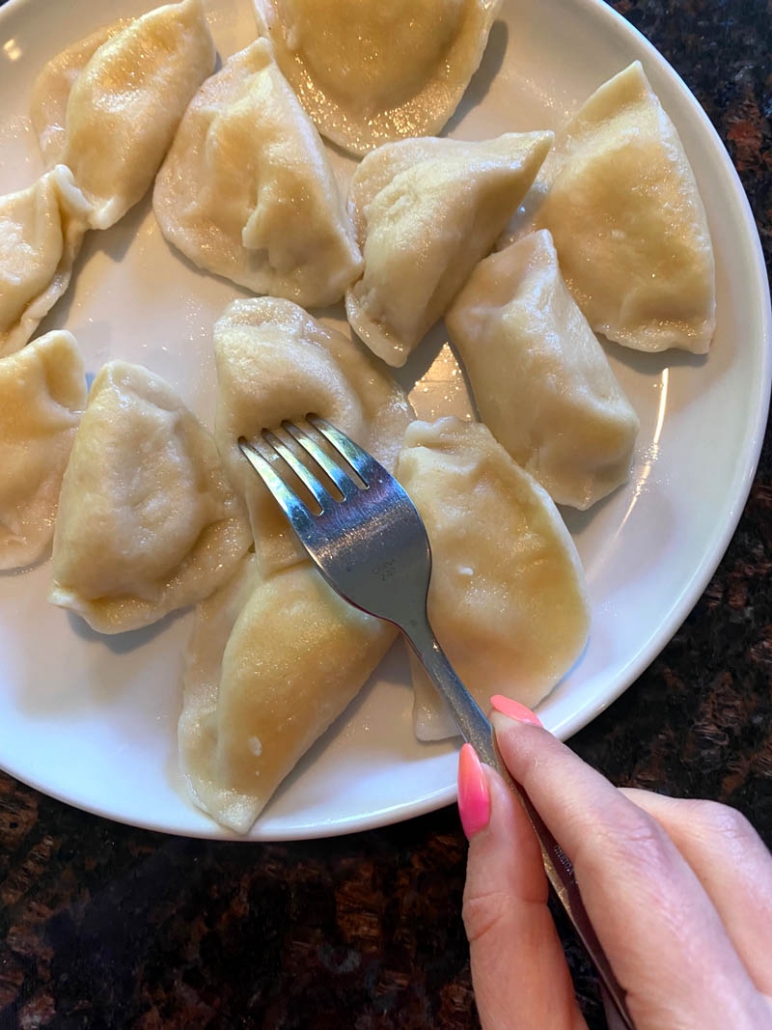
<point x="724" y="822"/>
<point x="635" y="841"/>
<point x="482" y="914"/>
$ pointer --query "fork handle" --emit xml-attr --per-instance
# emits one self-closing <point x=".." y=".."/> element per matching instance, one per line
<point x="477" y="730"/>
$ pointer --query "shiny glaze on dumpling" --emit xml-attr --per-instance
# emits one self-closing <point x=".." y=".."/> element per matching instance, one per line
<point x="426" y="211"/>
<point x="247" y="190"/>
<point x="42" y="398"/>
<point x="147" y="522"/>
<point x="51" y="89"/>
<point x="370" y="72"/>
<point x="541" y="380"/>
<point x="272" y="662"/>
<point x="110" y="115"/>
<point x="507" y="600"/>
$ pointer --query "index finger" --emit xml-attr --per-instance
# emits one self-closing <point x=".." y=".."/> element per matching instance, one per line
<point x="663" y="937"/>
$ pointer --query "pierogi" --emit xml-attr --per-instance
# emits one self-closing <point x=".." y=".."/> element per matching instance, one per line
<point x="42" y="397"/>
<point x="426" y="211"/>
<point x="147" y="522"/>
<point x="507" y="601"/>
<point x="630" y="229"/>
<point x="247" y="190"/>
<point x="272" y="662"/>
<point x="541" y="381"/>
<point x="41" y="231"/>
<point x="276" y="362"/>
<point x="108" y="107"/>
<point x="52" y="88"/>
<point x="370" y="72"/>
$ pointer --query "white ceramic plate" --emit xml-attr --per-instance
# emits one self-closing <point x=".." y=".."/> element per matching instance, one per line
<point x="92" y="720"/>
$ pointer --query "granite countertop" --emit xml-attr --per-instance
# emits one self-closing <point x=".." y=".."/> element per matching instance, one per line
<point x="102" y="925"/>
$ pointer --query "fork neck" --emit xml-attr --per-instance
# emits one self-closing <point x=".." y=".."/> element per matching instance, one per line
<point x="470" y="717"/>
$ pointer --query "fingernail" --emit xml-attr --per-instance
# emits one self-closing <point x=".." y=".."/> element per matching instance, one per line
<point x="474" y="800"/>
<point x="514" y="710"/>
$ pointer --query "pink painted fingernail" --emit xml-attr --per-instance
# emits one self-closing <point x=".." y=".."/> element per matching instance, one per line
<point x="514" y="710"/>
<point x="474" y="800"/>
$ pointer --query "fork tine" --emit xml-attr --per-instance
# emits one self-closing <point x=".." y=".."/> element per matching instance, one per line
<point x="321" y="495"/>
<point x="340" y="478"/>
<point x="365" y="466"/>
<point x="295" y="510"/>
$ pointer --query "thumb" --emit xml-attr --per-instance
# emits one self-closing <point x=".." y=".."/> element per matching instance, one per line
<point x="520" y="975"/>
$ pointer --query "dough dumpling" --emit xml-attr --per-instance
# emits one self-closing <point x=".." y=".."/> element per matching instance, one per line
<point x="427" y="210"/>
<point x="541" y="381"/>
<point x="147" y="522"/>
<point x="52" y="88"/>
<point x="276" y="362"/>
<point x="247" y="190"/>
<point x="507" y="599"/>
<point x="370" y="72"/>
<point x="41" y="231"/>
<point x="42" y="397"/>
<point x="271" y="664"/>
<point x="628" y="223"/>
<point x="124" y="101"/>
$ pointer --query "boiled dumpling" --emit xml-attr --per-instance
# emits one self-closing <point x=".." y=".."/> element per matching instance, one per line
<point x="507" y="600"/>
<point x="628" y="223"/>
<point x="42" y="397"/>
<point x="541" y="381"/>
<point x="427" y="210"/>
<point x="52" y="88"/>
<point x="111" y="117"/>
<point x="147" y="522"/>
<point x="370" y="72"/>
<point x="271" y="663"/>
<point x="276" y="362"/>
<point x="41" y="231"/>
<point x="247" y="190"/>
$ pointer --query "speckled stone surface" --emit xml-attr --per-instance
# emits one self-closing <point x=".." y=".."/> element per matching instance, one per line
<point x="106" y="926"/>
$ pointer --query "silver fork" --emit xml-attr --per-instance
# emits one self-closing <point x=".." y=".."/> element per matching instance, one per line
<point x="371" y="546"/>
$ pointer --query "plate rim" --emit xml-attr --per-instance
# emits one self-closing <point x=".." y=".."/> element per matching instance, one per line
<point x="691" y="591"/>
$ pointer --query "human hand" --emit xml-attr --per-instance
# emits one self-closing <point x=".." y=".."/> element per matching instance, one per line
<point x="679" y="893"/>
